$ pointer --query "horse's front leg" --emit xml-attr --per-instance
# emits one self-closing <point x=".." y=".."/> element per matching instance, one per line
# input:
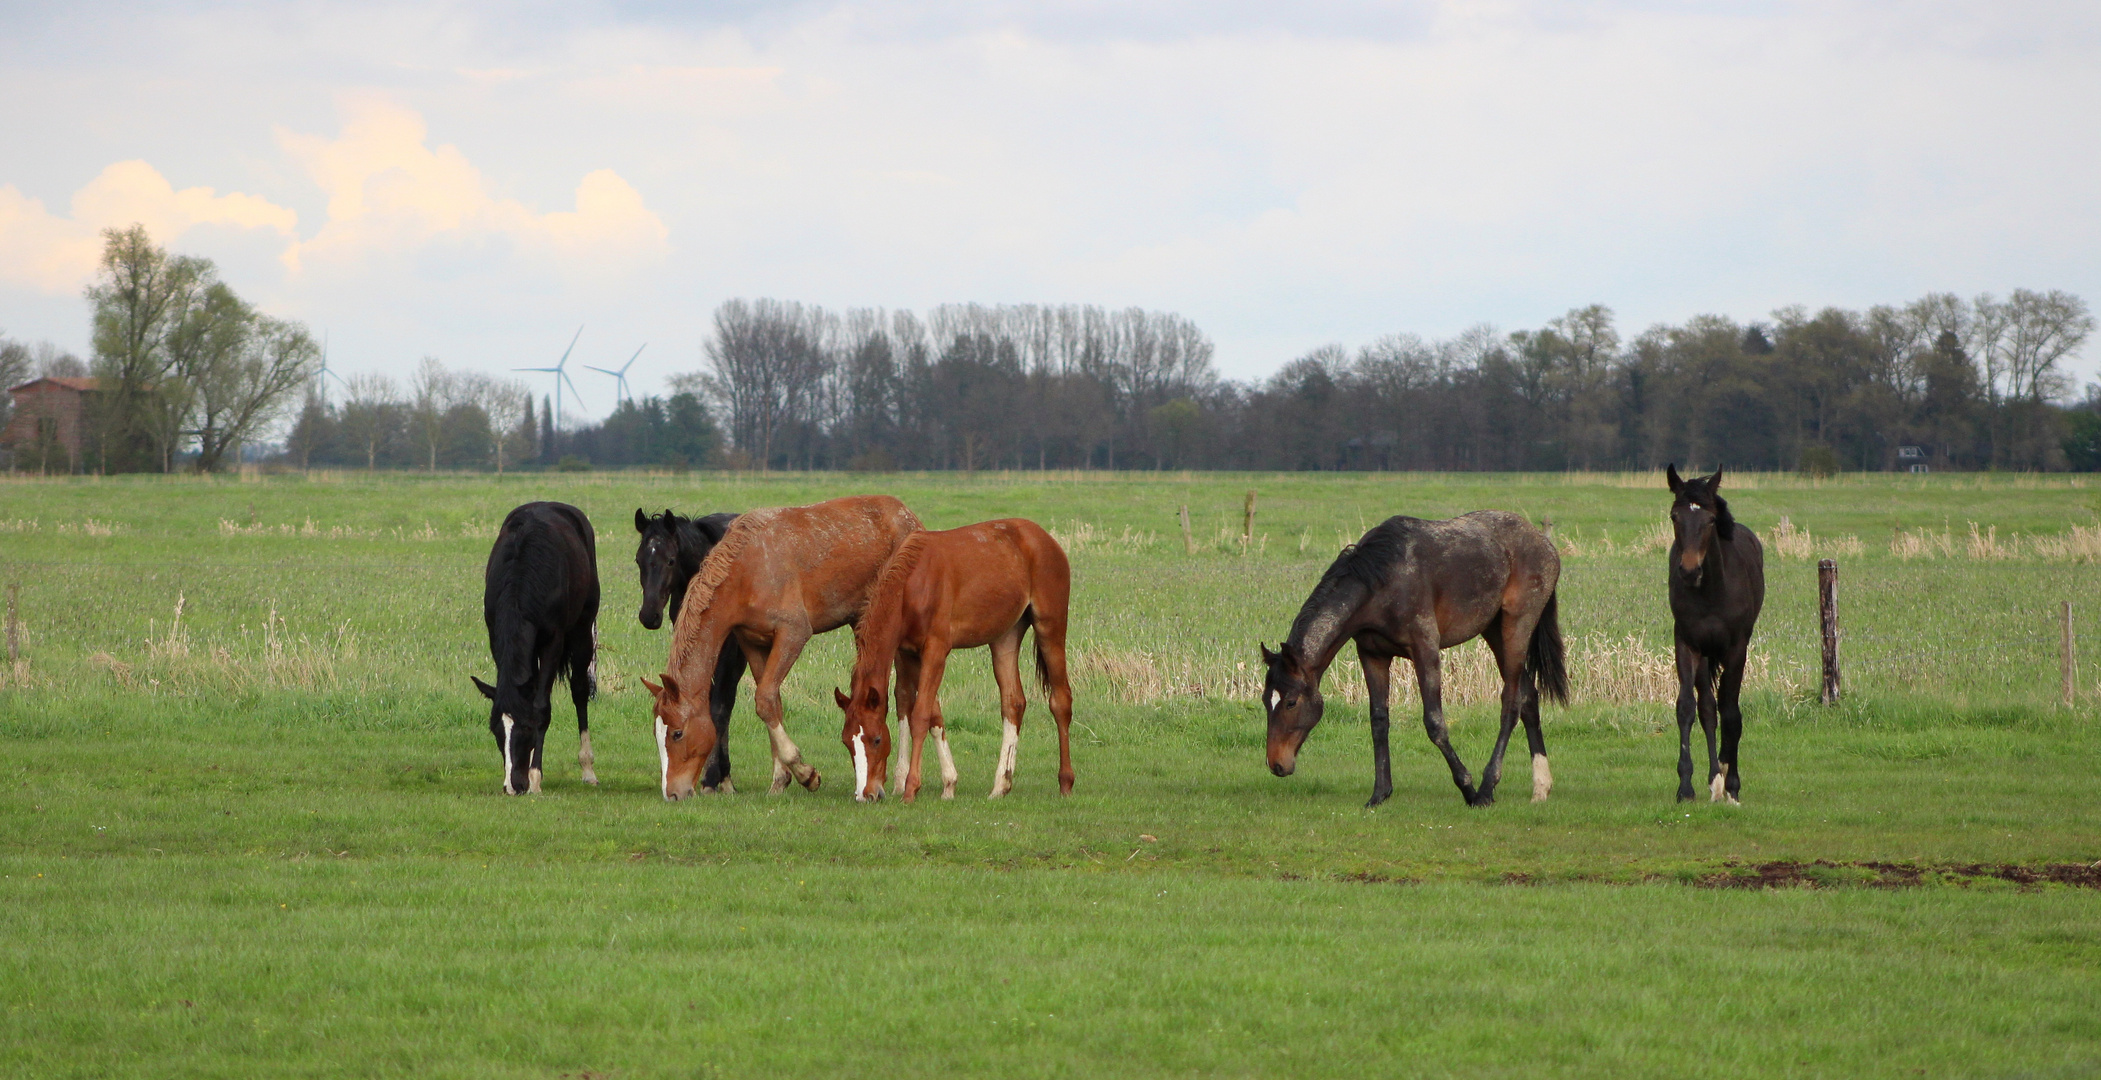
<point x="772" y="670"/>
<point x="1688" y="672"/>
<point x="1378" y="671"/>
<point x="907" y="694"/>
<point x="722" y="700"/>
<point x="926" y="710"/>
<point x="1429" y="681"/>
<point x="1732" y="780"/>
<point x="1703" y="683"/>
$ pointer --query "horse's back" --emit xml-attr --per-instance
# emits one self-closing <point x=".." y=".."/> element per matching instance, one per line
<point x="544" y="561"/>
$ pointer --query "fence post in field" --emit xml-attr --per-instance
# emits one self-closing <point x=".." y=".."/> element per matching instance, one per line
<point x="2068" y="660"/>
<point x="1827" y="614"/>
<point x="1188" y="538"/>
<point x="1247" y="525"/>
<point x="14" y="626"/>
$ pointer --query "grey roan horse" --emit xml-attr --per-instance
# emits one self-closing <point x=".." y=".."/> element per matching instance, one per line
<point x="1411" y="588"/>
<point x="1717" y="582"/>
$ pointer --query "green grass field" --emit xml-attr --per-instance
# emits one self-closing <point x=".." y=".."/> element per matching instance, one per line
<point x="265" y="838"/>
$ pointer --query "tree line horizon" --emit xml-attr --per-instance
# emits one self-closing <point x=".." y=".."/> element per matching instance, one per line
<point x="1942" y="381"/>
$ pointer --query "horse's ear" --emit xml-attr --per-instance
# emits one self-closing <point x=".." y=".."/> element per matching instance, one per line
<point x="641" y="520"/>
<point x="654" y="689"/>
<point x="487" y="691"/>
<point x="1268" y="658"/>
<point x="1714" y="483"/>
<point x="670" y="687"/>
<point x="875" y="697"/>
<point x="1671" y="477"/>
<point x="839" y="696"/>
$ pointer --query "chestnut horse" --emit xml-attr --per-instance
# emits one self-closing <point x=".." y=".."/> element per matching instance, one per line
<point x="778" y="577"/>
<point x="1717" y="585"/>
<point x="1411" y="588"/>
<point x="982" y="584"/>
<point x="668" y="555"/>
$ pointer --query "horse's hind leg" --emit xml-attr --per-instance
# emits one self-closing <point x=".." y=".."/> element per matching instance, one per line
<point x="583" y="682"/>
<point x="1688" y="675"/>
<point x="1732" y="719"/>
<point x="1050" y="652"/>
<point x="1006" y="671"/>
<point x="1510" y="661"/>
<point x="722" y="700"/>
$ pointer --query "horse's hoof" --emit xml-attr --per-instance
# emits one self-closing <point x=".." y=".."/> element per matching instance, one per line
<point x="1486" y="798"/>
<point x="1685" y="793"/>
<point x="815" y="780"/>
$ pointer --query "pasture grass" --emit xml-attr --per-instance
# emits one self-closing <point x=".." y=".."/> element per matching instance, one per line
<point x="270" y="844"/>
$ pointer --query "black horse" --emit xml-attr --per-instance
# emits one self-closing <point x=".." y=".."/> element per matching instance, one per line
<point x="670" y="553"/>
<point x="1411" y="588"/>
<point x="1717" y="580"/>
<point x="540" y="601"/>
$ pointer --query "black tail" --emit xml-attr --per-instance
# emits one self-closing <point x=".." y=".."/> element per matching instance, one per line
<point x="1546" y="661"/>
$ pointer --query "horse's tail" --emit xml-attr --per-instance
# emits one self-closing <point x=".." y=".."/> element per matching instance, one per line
<point x="1028" y="619"/>
<point x="1547" y="661"/>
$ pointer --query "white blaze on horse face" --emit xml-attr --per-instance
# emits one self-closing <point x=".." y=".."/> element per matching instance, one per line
<point x="508" y="723"/>
<point x="1542" y="778"/>
<point x="664" y="755"/>
<point x="860" y="769"/>
<point x="1009" y="749"/>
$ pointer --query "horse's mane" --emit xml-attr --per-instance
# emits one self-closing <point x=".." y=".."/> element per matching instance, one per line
<point x="895" y="571"/>
<point x="715" y="569"/>
<point x="1366" y="562"/>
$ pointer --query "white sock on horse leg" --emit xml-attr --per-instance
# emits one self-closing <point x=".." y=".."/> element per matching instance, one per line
<point x="948" y="763"/>
<point x="1542" y="778"/>
<point x="1009" y="750"/>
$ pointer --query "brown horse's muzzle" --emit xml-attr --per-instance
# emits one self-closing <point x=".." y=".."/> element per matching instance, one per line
<point x="1284" y="753"/>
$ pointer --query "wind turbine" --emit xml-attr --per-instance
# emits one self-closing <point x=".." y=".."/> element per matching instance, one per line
<point x="560" y="377"/>
<point x="327" y="372"/>
<point x="621" y="391"/>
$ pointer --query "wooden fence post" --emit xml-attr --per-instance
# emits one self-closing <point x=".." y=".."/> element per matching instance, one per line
<point x="1247" y="526"/>
<point x="1827" y="613"/>
<point x="1188" y="538"/>
<point x="2068" y="660"/>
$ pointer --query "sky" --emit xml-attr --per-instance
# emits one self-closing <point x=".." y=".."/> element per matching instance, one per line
<point x="476" y="182"/>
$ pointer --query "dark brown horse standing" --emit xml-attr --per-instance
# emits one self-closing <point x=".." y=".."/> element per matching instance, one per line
<point x="1411" y="588"/>
<point x="668" y="555"/>
<point x="778" y="577"/>
<point x="982" y="584"/>
<point x="1717" y="583"/>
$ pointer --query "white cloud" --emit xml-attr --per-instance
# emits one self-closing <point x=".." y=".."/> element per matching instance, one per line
<point x="390" y="194"/>
<point x="52" y="254"/>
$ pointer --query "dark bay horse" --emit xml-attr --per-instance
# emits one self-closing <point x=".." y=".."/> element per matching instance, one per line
<point x="1717" y="582"/>
<point x="778" y="577"/>
<point x="540" y="602"/>
<point x="980" y="585"/>
<point x="668" y="555"/>
<point x="1410" y="588"/>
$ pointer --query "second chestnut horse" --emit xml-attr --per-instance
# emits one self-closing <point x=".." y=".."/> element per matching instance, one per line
<point x="982" y="584"/>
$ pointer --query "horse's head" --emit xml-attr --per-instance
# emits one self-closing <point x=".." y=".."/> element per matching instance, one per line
<point x="685" y="735"/>
<point x="657" y="558"/>
<point x="520" y="729"/>
<point x="867" y="738"/>
<point x="1292" y="697"/>
<point x="1699" y="517"/>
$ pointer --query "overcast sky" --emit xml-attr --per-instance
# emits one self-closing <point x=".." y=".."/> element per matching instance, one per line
<point x="476" y="181"/>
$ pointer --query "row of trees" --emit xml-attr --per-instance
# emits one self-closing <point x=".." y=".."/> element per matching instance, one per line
<point x="466" y="420"/>
<point x="1970" y="383"/>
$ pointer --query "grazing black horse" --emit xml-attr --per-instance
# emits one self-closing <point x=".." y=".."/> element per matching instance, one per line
<point x="670" y="553"/>
<point x="1717" y="576"/>
<point x="540" y="601"/>
<point x="1411" y="588"/>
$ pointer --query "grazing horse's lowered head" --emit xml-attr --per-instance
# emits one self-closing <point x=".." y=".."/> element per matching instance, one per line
<point x="520" y="728"/>
<point x="1699" y="518"/>
<point x="865" y="738"/>
<point x="1291" y="695"/>
<point x="685" y="736"/>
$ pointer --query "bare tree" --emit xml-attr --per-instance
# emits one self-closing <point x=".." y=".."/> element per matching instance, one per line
<point x="508" y="405"/>
<point x="367" y="399"/>
<point x="766" y="362"/>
